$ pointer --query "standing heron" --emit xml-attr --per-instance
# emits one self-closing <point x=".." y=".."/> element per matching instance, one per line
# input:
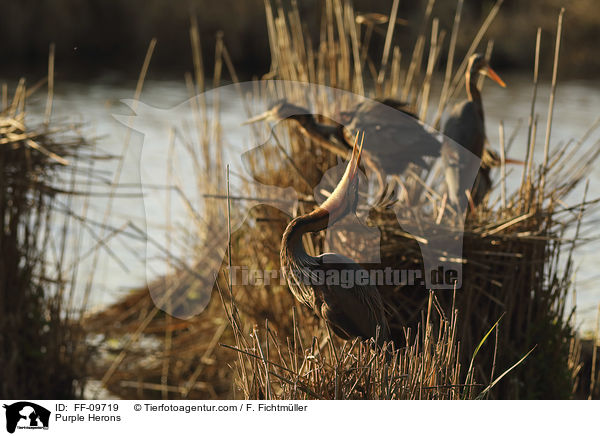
<point x="350" y="311"/>
<point x="399" y="137"/>
<point x="466" y="127"/>
<point x="329" y="136"/>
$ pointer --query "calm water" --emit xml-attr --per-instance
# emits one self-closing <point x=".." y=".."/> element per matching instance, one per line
<point x="577" y="107"/>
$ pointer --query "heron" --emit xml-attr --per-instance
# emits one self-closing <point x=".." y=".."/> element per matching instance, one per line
<point x="465" y="126"/>
<point x="350" y="311"/>
<point x="329" y="136"/>
<point x="400" y="138"/>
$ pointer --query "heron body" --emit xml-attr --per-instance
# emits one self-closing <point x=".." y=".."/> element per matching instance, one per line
<point x="466" y="126"/>
<point x="458" y="172"/>
<point x="398" y="137"/>
<point x="351" y="311"/>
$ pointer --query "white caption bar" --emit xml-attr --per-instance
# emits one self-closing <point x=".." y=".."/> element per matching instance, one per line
<point x="297" y="417"/>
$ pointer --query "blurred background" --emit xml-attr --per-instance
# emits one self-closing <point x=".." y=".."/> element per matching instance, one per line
<point x="98" y="36"/>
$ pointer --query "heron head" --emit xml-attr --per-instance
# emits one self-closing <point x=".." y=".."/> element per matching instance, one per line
<point x="344" y="197"/>
<point x="478" y="64"/>
<point x="280" y="110"/>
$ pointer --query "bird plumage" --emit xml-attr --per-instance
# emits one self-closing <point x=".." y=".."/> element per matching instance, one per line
<point x="398" y="138"/>
<point x="466" y="127"/>
<point x="466" y="113"/>
<point x="351" y="311"/>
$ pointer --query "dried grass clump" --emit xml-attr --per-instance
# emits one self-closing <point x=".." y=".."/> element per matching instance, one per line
<point x="42" y="353"/>
<point x="146" y="353"/>
<point x="322" y="367"/>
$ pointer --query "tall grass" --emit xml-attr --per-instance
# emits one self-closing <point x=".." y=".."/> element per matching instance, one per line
<point x="42" y="348"/>
<point x="320" y="367"/>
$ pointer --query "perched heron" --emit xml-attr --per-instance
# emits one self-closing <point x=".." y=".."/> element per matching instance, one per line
<point x="466" y="127"/>
<point x="329" y="136"/>
<point x="350" y="311"/>
<point x="399" y="138"/>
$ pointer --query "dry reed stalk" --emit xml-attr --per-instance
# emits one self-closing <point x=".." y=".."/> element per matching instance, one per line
<point x="530" y="133"/>
<point x="430" y="64"/>
<point x="42" y="352"/>
<point x="502" y="165"/>
<point x="197" y="54"/>
<point x="415" y="62"/>
<point x="488" y="56"/>
<point x="358" y="74"/>
<point x="50" y="96"/>
<point x="449" y="65"/>
<point x="552" y="95"/>
<point x="388" y="43"/>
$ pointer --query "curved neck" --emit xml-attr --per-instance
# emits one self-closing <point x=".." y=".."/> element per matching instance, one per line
<point x="294" y="258"/>
<point x="291" y="243"/>
<point x="473" y="93"/>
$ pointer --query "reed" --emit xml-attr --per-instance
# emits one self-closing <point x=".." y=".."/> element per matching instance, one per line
<point x="320" y="367"/>
<point x="42" y="350"/>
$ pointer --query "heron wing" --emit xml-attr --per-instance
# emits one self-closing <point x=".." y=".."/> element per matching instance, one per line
<point x="394" y="137"/>
<point x="465" y="127"/>
<point x="352" y="309"/>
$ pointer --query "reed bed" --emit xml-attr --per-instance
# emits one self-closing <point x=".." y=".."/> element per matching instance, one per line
<point x="427" y="367"/>
<point x="507" y="333"/>
<point x="42" y="349"/>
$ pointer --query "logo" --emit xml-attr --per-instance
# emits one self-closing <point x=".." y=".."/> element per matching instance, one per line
<point x="26" y="415"/>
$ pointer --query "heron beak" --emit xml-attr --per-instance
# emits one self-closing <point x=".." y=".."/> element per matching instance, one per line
<point x="492" y="75"/>
<point x="337" y="201"/>
<point x="261" y="117"/>
<point x="496" y="162"/>
<point x="514" y="161"/>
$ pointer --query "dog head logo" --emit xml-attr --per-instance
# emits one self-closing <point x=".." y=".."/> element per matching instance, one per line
<point x="26" y="415"/>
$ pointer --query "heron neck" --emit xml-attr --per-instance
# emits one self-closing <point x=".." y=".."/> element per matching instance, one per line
<point x="473" y="93"/>
<point x="291" y="244"/>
